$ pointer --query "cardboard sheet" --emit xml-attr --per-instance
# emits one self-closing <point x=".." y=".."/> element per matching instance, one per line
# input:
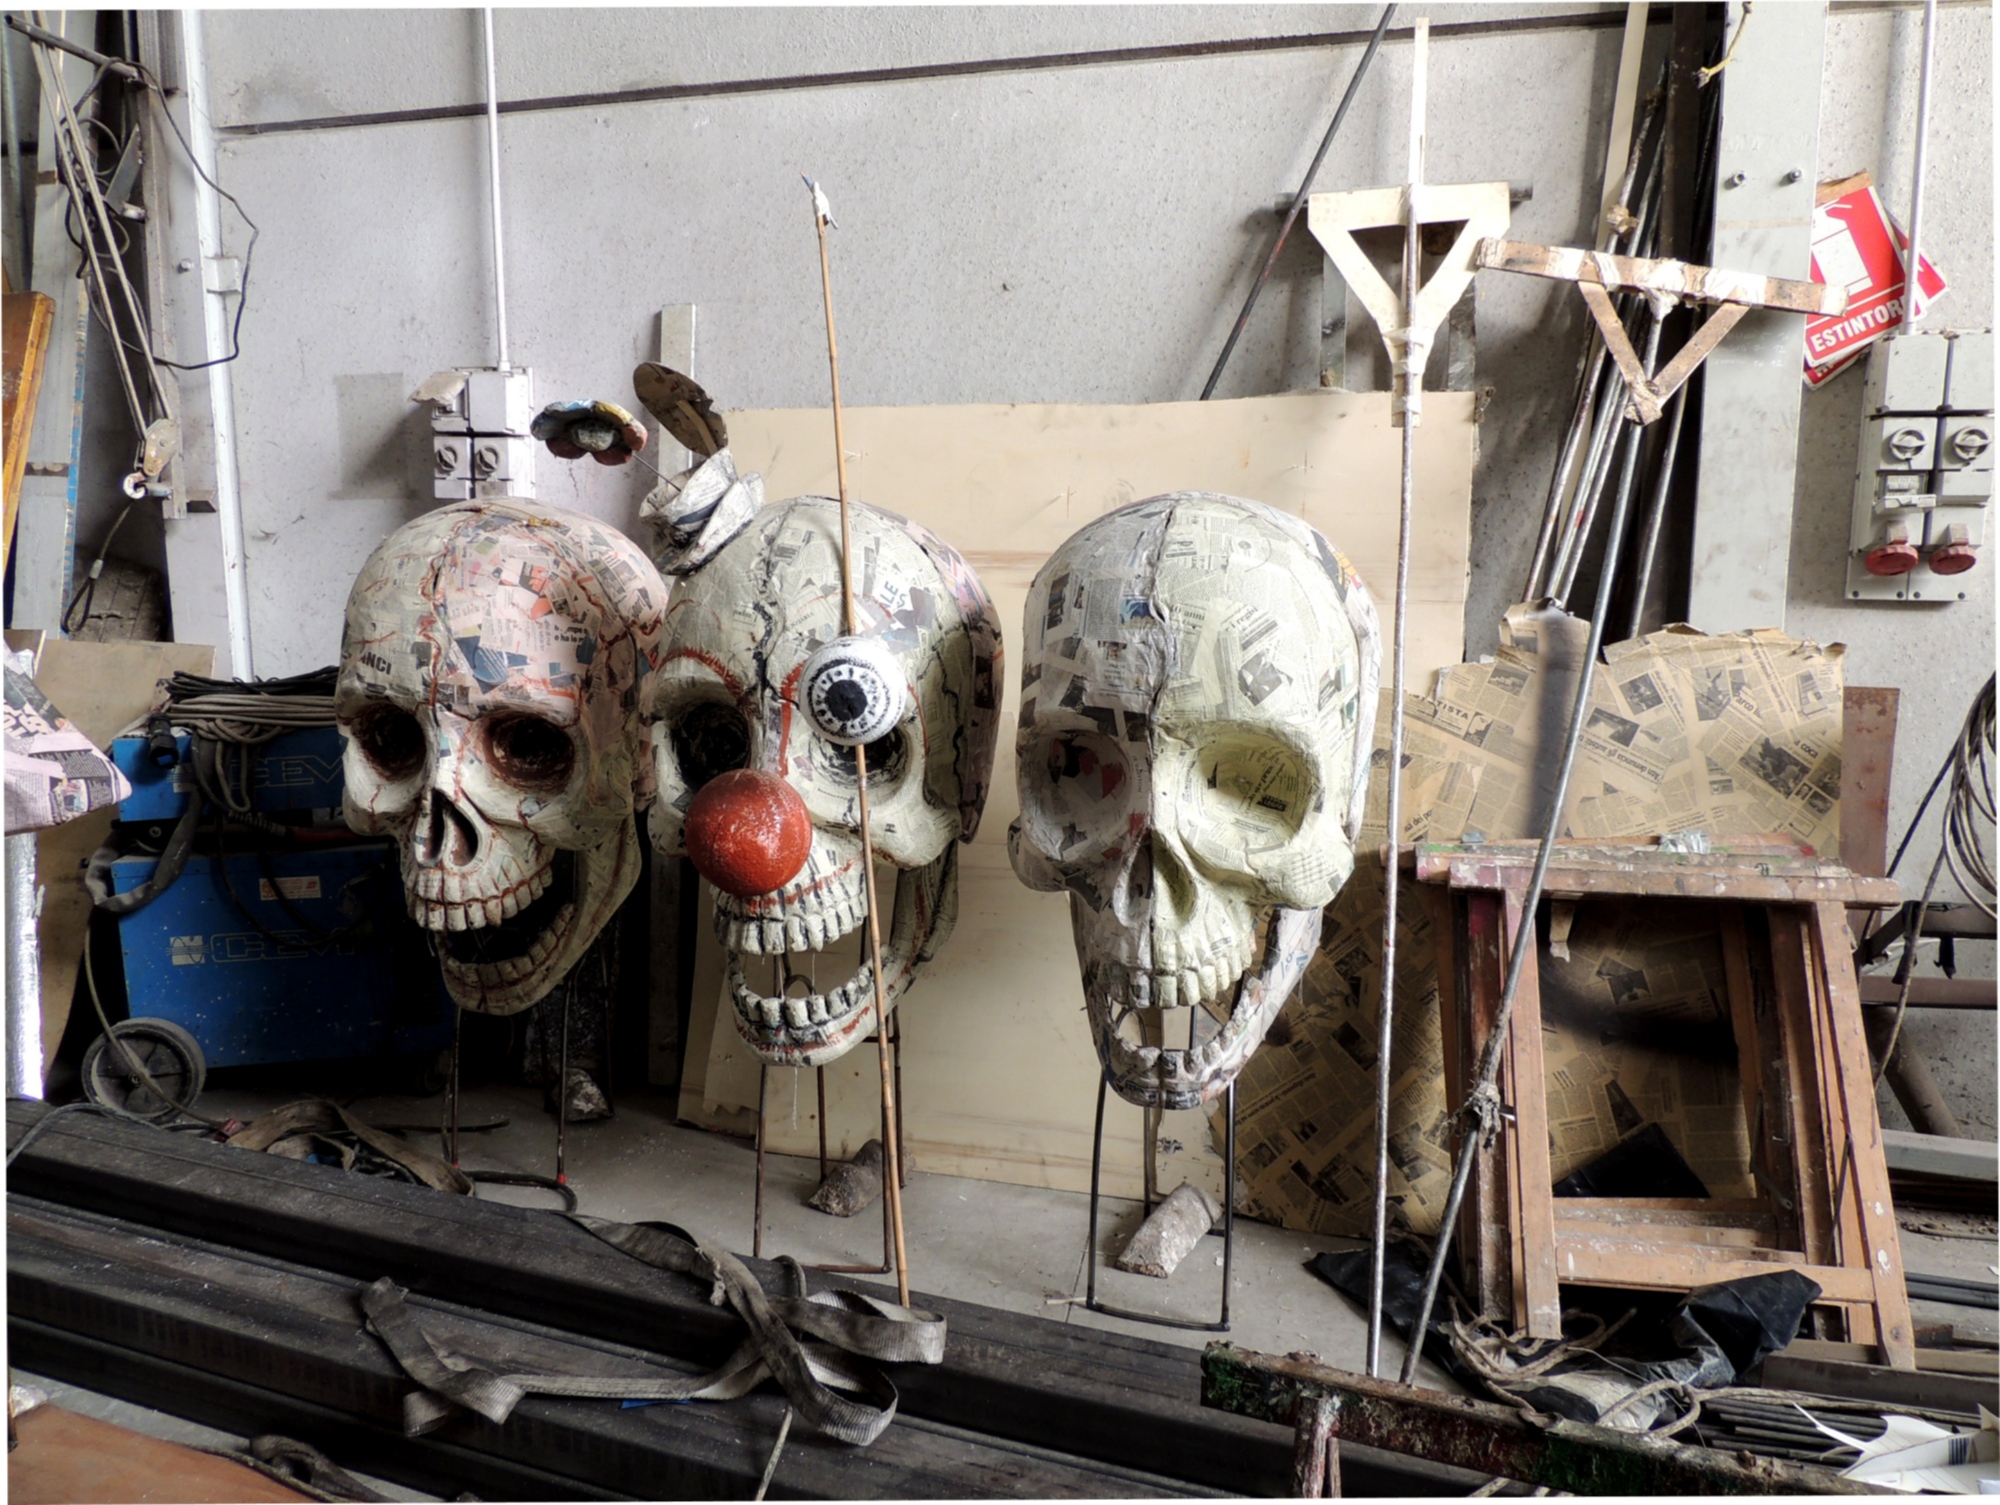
<point x="999" y="1074"/>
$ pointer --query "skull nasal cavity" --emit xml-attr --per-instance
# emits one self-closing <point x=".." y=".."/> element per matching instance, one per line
<point x="447" y="836"/>
<point x="748" y="832"/>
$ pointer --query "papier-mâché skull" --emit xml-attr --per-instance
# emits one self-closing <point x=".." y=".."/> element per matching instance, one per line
<point x="1197" y="711"/>
<point x="736" y="692"/>
<point x="493" y="675"/>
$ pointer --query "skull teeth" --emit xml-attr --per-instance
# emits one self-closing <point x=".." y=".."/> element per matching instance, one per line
<point x="516" y="967"/>
<point x="808" y="914"/>
<point x="1203" y="980"/>
<point x="448" y="901"/>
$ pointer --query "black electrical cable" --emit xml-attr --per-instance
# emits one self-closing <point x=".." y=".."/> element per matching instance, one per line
<point x="243" y="289"/>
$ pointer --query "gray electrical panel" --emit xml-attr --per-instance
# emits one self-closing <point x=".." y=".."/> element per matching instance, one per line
<point x="1924" y="474"/>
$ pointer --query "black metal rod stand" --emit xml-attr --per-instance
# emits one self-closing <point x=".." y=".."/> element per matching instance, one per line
<point x="1090" y="1301"/>
<point x="888" y="1262"/>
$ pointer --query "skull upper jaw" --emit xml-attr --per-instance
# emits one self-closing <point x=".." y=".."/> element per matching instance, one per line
<point x="820" y="1027"/>
<point x="1153" y="1077"/>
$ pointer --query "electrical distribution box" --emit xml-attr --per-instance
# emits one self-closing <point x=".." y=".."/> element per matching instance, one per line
<point x="1925" y="472"/>
<point x="480" y="445"/>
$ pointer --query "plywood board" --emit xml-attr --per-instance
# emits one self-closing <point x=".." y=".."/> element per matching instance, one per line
<point x="999" y="1075"/>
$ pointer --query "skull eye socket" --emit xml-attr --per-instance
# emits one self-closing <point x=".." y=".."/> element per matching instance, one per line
<point x="392" y="740"/>
<point x="1083" y="800"/>
<point x="530" y="753"/>
<point x="888" y="756"/>
<point x="1247" y="793"/>
<point x="709" y="739"/>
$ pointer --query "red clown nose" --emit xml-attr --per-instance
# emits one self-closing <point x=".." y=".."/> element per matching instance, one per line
<point x="748" y="832"/>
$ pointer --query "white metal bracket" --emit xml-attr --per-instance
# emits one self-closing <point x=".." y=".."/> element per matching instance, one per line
<point x="1334" y="218"/>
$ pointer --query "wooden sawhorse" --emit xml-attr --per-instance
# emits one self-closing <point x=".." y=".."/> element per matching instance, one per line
<point x="1823" y="1204"/>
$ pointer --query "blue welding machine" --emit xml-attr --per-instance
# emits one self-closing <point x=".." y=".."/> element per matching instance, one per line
<point x="298" y="954"/>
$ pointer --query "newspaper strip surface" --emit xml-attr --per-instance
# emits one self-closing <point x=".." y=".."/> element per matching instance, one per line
<point x="1732" y="735"/>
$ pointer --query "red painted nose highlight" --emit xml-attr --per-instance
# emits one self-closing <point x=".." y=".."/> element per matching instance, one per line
<point x="748" y="832"/>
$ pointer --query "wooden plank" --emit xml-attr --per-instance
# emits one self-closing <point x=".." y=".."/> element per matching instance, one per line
<point x="1722" y="1212"/>
<point x="1930" y="1360"/>
<point x="1754" y="1059"/>
<point x="1126" y="1399"/>
<point x="69" y="1459"/>
<point x="1529" y="1133"/>
<point x="1881" y="1244"/>
<point x="1930" y="992"/>
<point x="298" y="1331"/>
<point x="24" y="338"/>
<point x="1934" y="1155"/>
<point x="1695" y="284"/>
<point x="1809" y="1151"/>
<point x="1486" y="1231"/>
<point x="1567" y="1456"/>
<point x="1867" y="763"/>
<point x="1653" y="1265"/>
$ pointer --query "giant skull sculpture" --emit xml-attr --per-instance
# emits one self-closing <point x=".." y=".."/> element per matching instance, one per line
<point x="757" y="689"/>
<point x="1197" y="712"/>
<point x="492" y="688"/>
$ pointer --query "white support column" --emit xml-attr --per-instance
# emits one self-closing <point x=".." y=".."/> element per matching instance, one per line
<point x="1752" y="382"/>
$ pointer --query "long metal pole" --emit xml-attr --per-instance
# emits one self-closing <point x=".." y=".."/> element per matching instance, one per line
<point x="24" y="970"/>
<point x="1656" y="511"/>
<point x="1523" y="941"/>
<point x="1912" y="280"/>
<point x="1412" y="400"/>
<point x="493" y="177"/>
<point x="1298" y="202"/>
<point x="893" y="1152"/>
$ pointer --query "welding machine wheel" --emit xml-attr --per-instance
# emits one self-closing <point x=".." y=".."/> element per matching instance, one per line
<point x="168" y="1054"/>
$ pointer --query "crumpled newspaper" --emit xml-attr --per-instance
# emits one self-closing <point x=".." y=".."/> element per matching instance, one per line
<point x="54" y="772"/>
<point x="698" y="511"/>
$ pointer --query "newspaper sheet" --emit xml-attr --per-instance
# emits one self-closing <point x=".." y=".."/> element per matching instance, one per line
<point x="54" y="772"/>
<point x="1730" y="735"/>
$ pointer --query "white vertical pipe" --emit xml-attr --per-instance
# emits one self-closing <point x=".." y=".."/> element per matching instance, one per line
<point x="216" y="339"/>
<point x="1912" y="282"/>
<point x="493" y="173"/>
<point x="24" y="970"/>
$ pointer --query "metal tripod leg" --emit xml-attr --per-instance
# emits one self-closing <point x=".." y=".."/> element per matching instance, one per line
<point x="888" y="1264"/>
<point x="757" y="1206"/>
<point x="558" y="1183"/>
<point x="451" y="1089"/>
<point x="1090" y="1301"/>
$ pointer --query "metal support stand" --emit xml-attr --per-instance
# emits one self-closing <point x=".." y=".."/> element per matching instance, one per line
<point x="899" y="1161"/>
<point x="558" y="1183"/>
<point x="1090" y="1301"/>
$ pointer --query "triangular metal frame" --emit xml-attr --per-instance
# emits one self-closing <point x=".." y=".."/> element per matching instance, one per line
<point x="1597" y="274"/>
<point x="1335" y="217"/>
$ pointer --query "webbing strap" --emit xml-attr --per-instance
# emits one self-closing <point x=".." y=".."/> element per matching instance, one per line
<point x="842" y="1329"/>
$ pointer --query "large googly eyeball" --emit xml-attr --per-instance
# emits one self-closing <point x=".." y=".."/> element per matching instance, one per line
<point x="854" y="690"/>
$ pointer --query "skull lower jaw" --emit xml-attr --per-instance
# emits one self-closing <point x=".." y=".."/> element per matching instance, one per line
<point x="1152" y="1077"/>
<point x="816" y="1029"/>
<point x="585" y="890"/>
